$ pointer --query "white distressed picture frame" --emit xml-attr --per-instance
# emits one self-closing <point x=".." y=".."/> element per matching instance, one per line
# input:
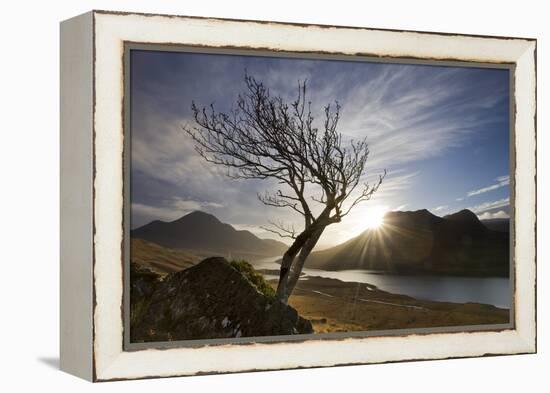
<point x="92" y="194"/>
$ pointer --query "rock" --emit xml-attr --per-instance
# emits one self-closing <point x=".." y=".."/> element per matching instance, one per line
<point x="144" y="281"/>
<point x="212" y="300"/>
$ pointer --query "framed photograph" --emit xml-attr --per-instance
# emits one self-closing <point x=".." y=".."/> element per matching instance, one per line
<point x="246" y="195"/>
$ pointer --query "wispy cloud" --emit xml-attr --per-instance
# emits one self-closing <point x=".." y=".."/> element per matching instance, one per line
<point x="439" y="208"/>
<point x="483" y="207"/>
<point x="501" y="182"/>
<point x="427" y="117"/>
<point x="394" y="184"/>
<point x="408" y="113"/>
<point x="189" y="205"/>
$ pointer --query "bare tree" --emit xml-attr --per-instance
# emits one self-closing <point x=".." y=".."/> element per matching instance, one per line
<point x="264" y="137"/>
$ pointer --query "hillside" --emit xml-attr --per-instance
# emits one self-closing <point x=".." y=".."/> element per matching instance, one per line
<point x="498" y="224"/>
<point x="421" y="242"/>
<point x="206" y="235"/>
<point x="159" y="259"/>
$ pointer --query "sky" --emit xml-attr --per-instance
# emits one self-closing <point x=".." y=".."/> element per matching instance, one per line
<point x="440" y="132"/>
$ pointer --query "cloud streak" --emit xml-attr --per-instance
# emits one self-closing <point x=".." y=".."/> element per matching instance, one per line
<point x="483" y="207"/>
<point x="501" y="182"/>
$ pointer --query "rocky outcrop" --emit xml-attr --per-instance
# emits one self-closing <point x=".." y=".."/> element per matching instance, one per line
<point x="209" y="300"/>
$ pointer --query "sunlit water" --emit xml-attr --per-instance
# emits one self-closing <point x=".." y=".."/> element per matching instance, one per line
<point x="491" y="290"/>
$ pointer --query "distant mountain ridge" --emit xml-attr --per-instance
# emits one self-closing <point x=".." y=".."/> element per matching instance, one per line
<point x="498" y="224"/>
<point x="203" y="232"/>
<point x="413" y="242"/>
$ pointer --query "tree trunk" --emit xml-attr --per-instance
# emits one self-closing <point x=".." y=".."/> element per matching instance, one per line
<point x="286" y="263"/>
<point x="298" y="265"/>
<point x="288" y="259"/>
<point x="303" y="243"/>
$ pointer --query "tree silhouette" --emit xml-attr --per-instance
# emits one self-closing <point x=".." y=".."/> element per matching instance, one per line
<point x="264" y="137"/>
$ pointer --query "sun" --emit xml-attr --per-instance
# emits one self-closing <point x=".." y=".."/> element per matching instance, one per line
<point x="375" y="217"/>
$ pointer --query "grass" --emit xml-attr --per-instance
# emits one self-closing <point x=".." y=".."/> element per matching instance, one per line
<point x="254" y="277"/>
<point x="160" y="259"/>
<point x="137" y="311"/>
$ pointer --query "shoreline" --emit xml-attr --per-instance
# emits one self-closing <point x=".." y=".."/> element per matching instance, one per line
<point x="337" y="306"/>
<point x="437" y="288"/>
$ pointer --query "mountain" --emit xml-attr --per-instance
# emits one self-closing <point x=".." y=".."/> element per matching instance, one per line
<point x="498" y="224"/>
<point x="420" y="242"/>
<point x="203" y="234"/>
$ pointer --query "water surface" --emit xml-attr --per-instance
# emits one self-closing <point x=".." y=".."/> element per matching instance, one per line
<point x="485" y="290"/>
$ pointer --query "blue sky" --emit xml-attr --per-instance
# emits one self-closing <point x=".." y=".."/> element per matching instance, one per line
<point x="442" y="134"/>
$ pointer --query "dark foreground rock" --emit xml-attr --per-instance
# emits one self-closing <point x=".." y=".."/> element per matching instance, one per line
<point x="209" y="300"/>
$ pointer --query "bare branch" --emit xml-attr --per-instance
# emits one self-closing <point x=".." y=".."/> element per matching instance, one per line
<point x="280" y="200"/>
<point x="265" y="137"/>
<point x="281" y="230"/>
